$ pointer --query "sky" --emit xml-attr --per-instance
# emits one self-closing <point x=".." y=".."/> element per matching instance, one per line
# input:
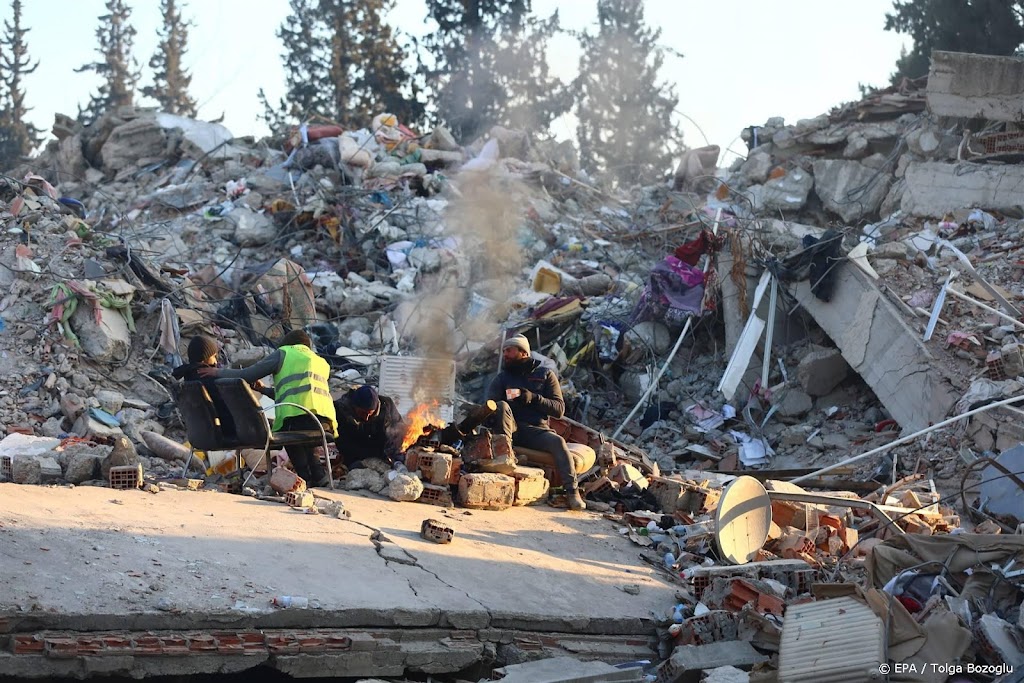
<point x="743" y="61"/>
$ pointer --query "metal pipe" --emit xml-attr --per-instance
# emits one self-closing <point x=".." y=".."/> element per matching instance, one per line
<point x="959" y="295"/>
<point x="907" y="439"/>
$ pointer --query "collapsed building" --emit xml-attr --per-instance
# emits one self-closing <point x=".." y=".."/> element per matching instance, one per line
<point x="850" y="287"/>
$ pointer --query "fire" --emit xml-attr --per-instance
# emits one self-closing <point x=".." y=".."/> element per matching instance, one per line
<point x="422" y="416"/>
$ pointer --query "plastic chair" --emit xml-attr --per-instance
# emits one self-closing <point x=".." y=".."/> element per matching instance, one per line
<point x="253" y="428"/>
<point x="201" y="422"/>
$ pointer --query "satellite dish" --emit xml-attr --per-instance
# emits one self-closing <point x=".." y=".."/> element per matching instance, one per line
<point x="742" y="520"/>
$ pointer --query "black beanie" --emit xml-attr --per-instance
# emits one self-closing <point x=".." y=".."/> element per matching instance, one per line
<point x="295" y="338"/>
<point x="200" y="348"/>
<point x="365" y="397"/>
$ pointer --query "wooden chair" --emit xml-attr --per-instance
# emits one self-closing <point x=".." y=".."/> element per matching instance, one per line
<point x="202" y="425"/>
<point x="254" y="430"/>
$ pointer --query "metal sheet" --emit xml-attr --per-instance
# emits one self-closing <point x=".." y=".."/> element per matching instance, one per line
<point x="412" y="381"/>
<point x="831" y="641"/>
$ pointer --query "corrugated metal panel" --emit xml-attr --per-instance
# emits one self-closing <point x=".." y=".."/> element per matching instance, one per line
<point x="413" y="381"/>
<point x="831" y="641"/>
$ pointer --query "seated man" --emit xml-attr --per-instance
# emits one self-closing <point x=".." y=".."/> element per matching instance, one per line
<point x="202" y="353"/>
<point x="527" y="394"/>
<point x="300" y="377"/>
<point x="369" y="426"/>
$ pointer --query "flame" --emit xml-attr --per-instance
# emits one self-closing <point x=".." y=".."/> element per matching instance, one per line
<point x="419" y="418"/>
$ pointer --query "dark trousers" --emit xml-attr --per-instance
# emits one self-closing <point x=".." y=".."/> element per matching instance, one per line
<point x="537" y="438"/>
<point x="303" y="457"/>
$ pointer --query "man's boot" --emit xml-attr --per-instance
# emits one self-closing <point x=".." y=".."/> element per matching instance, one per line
<point x="575" y="500"/>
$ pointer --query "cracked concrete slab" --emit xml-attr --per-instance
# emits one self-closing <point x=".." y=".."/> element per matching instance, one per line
<point x="93" y="559"/>
<point x="882" y="349"/>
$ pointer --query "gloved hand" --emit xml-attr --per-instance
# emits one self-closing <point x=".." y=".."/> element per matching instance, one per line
<point x="525" y="396"/>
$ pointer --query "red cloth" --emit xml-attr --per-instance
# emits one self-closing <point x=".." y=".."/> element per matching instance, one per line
<point x="691" y="251"/>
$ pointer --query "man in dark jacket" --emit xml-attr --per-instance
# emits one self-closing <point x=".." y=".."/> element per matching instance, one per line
<point x="532" y="394"/>
<point x="202" y="353"/>
<point x="369" y="426"/>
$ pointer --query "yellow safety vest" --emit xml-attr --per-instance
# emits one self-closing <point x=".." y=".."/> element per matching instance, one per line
<point x="302" y="379"/>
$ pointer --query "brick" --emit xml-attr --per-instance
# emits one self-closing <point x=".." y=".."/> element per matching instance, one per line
<point x="126" y="477"/>
<point x="438" y="532"/>
<point x="436" y="495"/>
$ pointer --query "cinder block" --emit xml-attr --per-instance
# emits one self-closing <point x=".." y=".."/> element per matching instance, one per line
<point x="531" y="485"/>
<point x="6" y="467"/>
<point x="438" y="532"/>
<point x="299" y="499"/>
<point x="487" y="491"/>
<point x="126" y="477"/>
<point x="436" y="495"/>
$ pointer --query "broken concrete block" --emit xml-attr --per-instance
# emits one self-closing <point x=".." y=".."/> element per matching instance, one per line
<point x="726" y="674"/>
<point x="878" y="345"/>
<point x="142" y="138"/>
<point x="849" y="188"/>
<point x="795" y="403"/>
<point x="123" y="454"/>
<point x="531" y="485"/>
<point x="110" y="401"/>
<point x="89" y="427"/>
<point x="757" y="166"/>
<point x="83" y="464"/>
<point x="72" y="405"/>
<point x="487" y="491"/>
<point x="251" y="229"/>
<point x="934" y="189"/>
<point x="785" y="193"/>
<point x="108" y="339"/>
<point x="364" y="478"/>
<point x="822" y="370"/>
<point x="49" y="470"/>
<point x="688" y="661"/>
<point x="973" y="86"/>
<point x="566" y="670"/>
<point x="26" y="470"/>
<point x="405" y="487"/>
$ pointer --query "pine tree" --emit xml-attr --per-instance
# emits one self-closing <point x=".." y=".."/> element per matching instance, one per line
<point x="117" y="67"/>
<point x="625" y="115"/>
<point x="170" y="80"/>
<point x="17" y="136"/>
<point x="989" y="27"/>
<point x="489" y="66"/>
<point x="342" y="63"/>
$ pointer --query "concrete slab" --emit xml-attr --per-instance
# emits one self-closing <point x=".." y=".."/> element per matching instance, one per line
<point x="934" y="189"/>
<point x="83" y="562"/>
<point x="881" y="348"/>
<point x="972" y="86"/>
<point x="566" y="670"/>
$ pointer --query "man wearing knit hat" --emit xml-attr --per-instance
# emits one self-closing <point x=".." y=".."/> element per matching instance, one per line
<point x="369" y="426"/>
<point x="202" y="353"/>
<point x="300" y="378"/>
<point x="532" y="394"/>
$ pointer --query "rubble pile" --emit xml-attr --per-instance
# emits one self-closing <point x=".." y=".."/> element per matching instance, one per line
<point x="801" y="334"/>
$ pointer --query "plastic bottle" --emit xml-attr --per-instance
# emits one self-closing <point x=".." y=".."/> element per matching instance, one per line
<point x="290" y="601"/>
<point x="677" y="613"/>
<point x="670" y="561"/>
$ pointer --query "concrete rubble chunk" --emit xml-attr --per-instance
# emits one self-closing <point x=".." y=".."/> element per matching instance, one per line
<point x="106" y="339"/>
<point x="821" y="371"/>
<point x="933" y="189"/>
<point x="969" y="86"/>
<point x="849" y="188"/>
<point x="405" y="487"/>
<point x="688" y="661"/>
<point x="134" y="141"/>
<point x="726" y="674"/>
<point x="880" y="347"/>
<point x="785" y="193"/>
<point x="251" y="229"/>
<point x="795" y="403"/>
<point x="566" y="670"/>
<point x="83" y="463"/>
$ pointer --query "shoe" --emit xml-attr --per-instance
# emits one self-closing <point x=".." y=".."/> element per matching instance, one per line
<point x="575" y="500"/>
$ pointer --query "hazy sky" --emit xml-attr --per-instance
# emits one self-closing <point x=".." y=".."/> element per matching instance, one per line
<point x="744" y="60"/>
